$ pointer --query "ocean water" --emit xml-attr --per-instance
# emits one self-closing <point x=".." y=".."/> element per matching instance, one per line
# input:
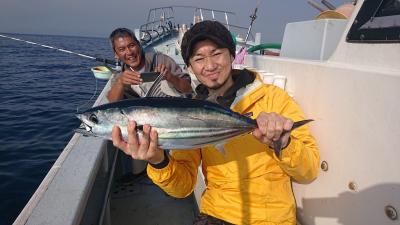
<point x="40" y="91"/>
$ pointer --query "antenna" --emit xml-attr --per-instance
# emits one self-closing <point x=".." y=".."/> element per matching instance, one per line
<point x="253" y="17"/>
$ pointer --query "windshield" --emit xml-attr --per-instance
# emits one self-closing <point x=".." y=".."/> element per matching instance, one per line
<point x="377" y="21"/>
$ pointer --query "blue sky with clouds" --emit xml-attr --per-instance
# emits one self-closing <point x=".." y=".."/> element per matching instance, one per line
<point x="99" y="17"/>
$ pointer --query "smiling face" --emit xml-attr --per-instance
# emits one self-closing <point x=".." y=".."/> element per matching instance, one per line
<point x="211" y="65"/>
<point x="128" y="51"/>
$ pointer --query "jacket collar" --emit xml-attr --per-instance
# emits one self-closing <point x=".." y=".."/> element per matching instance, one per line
<point x="248" y="95"/>
<point x="241" y="79"/>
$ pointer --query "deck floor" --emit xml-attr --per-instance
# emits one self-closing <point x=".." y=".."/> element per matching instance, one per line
<point x="140" y="201"/>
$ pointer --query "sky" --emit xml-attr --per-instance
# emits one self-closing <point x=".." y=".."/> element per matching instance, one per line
<point x="97" y="18"/>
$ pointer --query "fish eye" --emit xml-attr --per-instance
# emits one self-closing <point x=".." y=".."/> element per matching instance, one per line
<point x="93" y="118"/>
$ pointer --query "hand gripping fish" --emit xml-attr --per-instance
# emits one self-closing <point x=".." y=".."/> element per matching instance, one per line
<point x="181" y="123"/>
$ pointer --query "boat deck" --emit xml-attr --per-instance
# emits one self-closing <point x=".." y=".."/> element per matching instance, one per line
<point x="137" y="200"/>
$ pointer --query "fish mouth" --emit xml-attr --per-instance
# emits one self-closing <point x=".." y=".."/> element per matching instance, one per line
<point x="84" y="129"/>
<point x="84" y="125"/>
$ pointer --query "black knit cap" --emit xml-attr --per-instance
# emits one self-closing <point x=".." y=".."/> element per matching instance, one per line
<point x="206" y="30"/>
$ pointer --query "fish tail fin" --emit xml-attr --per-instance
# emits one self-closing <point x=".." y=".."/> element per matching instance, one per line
<point x="300" y="123"/>
<point x="277" y="147"/>
<point x="278" y="144"/>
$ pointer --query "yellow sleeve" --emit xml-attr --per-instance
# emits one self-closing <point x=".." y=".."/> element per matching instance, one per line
<point x="179" y="177"/>
<point x="300" y="159"/>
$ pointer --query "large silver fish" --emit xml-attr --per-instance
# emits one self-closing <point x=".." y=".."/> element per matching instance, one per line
<point x="180" y="123"/>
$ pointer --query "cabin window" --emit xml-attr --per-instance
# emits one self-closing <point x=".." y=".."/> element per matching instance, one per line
<point x="378" y="21"/>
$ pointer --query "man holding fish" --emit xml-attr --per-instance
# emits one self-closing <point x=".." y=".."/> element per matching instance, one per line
<point x="246" y="181"/>
<point x="130" y="83"/>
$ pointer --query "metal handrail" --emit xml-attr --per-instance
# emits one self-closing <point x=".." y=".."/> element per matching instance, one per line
<point x="164" y="18"/>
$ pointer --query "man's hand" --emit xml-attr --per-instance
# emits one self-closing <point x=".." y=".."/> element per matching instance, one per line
<point x="162" y="69"/>
<point x="180" y="84"/>
<point x="129" y="77"/>
<point x="270" y="128"/>
<point x="143" y="148"/>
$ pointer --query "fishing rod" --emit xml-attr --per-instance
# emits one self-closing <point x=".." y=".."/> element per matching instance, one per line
<point x="252" y="17"/>
<point x="328" y="4"/>
<point x="103" y="60"/>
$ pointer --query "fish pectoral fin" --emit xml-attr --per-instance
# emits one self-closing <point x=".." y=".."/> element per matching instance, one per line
<point x="139" y="130"/>
<point x="139" y="127"/>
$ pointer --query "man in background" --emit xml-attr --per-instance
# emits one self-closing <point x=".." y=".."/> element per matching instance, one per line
<point x="129" y="83"/>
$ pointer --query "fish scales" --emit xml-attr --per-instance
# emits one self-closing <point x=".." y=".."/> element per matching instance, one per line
<point x="180" y="123"/>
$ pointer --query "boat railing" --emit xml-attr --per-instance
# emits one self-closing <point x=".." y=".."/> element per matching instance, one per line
<point x="161" y="22"/>
<point x="200" y="15"/>
<point x="153" y="31"/>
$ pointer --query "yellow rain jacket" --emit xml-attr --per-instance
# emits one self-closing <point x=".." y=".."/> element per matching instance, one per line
<point x="249" y="184"/>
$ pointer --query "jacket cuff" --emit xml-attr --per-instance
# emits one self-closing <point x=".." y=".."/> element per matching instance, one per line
<point x="160" y="175"/>
<point x="163" y="163"/>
